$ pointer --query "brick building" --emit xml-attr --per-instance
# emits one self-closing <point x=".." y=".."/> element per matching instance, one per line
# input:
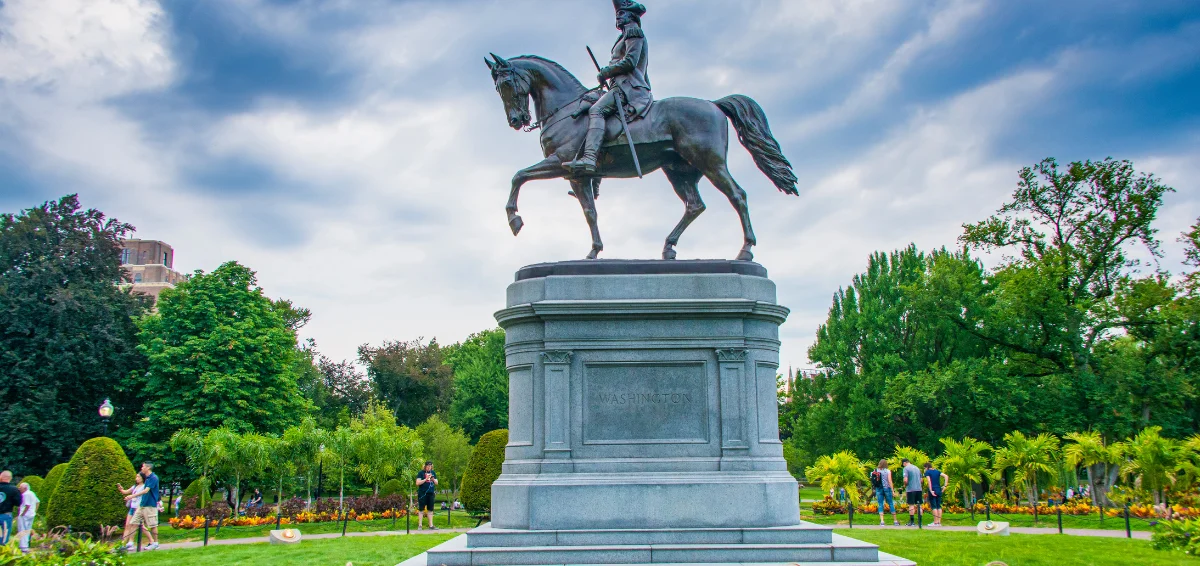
<point x="150" y="266"/>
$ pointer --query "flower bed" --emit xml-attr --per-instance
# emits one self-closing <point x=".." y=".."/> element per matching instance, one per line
<point x="372" y="508"/>
<point x="830" y="506"/>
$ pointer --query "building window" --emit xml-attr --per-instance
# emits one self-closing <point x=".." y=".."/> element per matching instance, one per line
<point x="137" y="277"/>
<point x="164" y="258"/>
<point x="125" y="256"/>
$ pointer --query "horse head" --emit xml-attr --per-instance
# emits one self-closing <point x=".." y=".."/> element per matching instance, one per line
<point x="514" y="86"/>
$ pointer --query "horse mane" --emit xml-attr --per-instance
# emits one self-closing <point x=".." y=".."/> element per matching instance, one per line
<point x="553" y="64"/>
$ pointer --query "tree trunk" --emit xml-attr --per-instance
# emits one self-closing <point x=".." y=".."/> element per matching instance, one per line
<point x="1092" y="486"/>
<point x="237" y="493"/>
<point x="279" y="499"/>
<point x="342" y="489"/>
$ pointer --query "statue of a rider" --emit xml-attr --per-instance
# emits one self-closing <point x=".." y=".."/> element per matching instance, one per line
<point x="631" y="84"/>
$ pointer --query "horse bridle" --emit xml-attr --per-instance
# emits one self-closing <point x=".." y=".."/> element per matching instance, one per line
<point x="512" y="81"/>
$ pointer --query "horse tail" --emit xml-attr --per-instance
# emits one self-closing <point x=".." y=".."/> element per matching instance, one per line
<point x="750" y="122"/>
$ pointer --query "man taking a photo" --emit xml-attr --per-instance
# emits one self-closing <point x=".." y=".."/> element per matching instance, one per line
<point x="147" y="511"/>
<point x="426" y="491"/>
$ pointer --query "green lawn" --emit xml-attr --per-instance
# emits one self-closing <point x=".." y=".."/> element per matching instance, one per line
<point x="812" y="493"/>
<point x="168" y="534"/>
<point x="362" y="551"/>
<point x="948" y="548"/>
<point x="964" y="519"/>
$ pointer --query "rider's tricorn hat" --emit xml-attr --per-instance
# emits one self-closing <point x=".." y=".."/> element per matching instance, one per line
<point x="629" y="6"/>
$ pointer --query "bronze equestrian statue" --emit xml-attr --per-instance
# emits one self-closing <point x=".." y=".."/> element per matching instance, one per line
<point x="685" y="137"/>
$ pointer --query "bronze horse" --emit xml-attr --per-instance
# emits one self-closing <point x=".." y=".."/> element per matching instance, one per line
<point x="686" y="137"/>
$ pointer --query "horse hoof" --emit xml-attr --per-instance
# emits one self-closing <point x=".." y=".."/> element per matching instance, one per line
<point x="745" y="255"/>
<point x="595" y="252"/>
<point x="669" y="254"/>
<point x="516" y="224"/>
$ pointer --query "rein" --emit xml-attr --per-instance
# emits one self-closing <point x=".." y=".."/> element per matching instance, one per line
<point x="541" y="123"/>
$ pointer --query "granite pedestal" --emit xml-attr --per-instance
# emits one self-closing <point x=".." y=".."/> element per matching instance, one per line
<point x="643" y="423"/>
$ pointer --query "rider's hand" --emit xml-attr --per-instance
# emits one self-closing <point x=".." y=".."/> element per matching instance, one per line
<point x="601" y="78"/>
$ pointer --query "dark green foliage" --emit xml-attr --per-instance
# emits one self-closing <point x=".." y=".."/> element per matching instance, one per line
<point x="48" y="486"/>
<point x="392" y="487"/>
<point x="482" y="471"/>
<point x="67" y="336"/>
<point x="480" y="399"/>
<point x="338" y="390"/>
<point x="35" y="484"/>
<point x="411" y="378"/>
<point x="220" y="354"/>
<point x="87" y="498"/>
<point x="1177" y="535"/>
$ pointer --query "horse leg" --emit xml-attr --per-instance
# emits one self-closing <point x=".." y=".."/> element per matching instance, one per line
<point x="718" y="173"/>
<point x="548" y="168"/>
<point x="583" y="191"/>
<point x="683" y="179"/>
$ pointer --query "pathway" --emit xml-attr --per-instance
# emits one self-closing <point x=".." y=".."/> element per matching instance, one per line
<point x="263" y="539"/>
<point x="1143" y="535"/>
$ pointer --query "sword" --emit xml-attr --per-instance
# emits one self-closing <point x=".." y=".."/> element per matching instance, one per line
<point x="620" y="114"/>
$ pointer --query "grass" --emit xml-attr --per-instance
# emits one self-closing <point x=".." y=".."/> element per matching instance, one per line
<point x="168" y="534"/>
<point x="964" y="519"/>
<point x="812" y="493"/>
<point x="362" y="551"/>
<point x="947" y="548"/>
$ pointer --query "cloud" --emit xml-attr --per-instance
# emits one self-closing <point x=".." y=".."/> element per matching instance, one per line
<point x="356" y="156"/>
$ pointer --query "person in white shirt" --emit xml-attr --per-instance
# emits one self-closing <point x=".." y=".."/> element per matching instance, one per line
<point x="29" y="505"/>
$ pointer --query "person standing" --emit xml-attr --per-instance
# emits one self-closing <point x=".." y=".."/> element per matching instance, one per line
<point x="426" y="492"/>
<point x="29" y="505"/>
<point x="881" y="480"/>
<point x="912" y="489"/>
<point x="933" y="478"/>
<point x="10" y="497"/>
<point x="147" y="511"/>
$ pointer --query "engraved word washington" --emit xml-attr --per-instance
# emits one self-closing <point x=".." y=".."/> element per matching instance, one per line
<point x="645" y="398"/>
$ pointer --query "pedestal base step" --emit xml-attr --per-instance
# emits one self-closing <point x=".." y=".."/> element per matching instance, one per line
<point x="504" y="548"/>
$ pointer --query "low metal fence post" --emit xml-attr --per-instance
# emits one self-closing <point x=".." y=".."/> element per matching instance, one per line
<point x="345" y="519"/>
<point x="1128" y="532"/>
<point x="205" y="531"/>
<point x="988" y="505"/>
<point x="1058" y="508"/>
<point x="850" y="506"/>
<point x="139" y="538"/>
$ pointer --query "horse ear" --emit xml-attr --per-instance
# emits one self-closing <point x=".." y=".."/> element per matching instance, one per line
<point x="500" y="62"/>
<point x="489" y="64"/>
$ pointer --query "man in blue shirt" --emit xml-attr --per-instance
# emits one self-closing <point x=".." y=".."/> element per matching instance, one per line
<point x="147" y="511"/>
<point x="933" y="479"/>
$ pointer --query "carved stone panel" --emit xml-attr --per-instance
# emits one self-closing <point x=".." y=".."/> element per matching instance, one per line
<point x="645" y="403"/>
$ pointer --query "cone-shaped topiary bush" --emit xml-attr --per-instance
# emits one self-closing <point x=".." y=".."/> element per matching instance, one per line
<point x="482" y="470"/>
<point x="86" y="497"/>
<point x="35" y="484"/>
<point x="195" y="490"/>
<point x="48" y="486"/>
<point x="391" y="487"/>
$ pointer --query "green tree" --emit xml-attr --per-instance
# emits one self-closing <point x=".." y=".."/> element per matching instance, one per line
<point x="487" y="461"/>
<point x="840" y="470"/>
<point x="1026" y="456"/>
<point x="1100" y="459"/>
<point x="221" y="354"/>
<point x="965" y="463"/>
<point x="67" y="336"/>
<point x="202" y="454"/>
<point x="411" y="378"/>
<point x="450" y="450"/>
<point x="338" y="390"/>
<point x="239" y="457"/>
<point x="305" y="442"/>
<point x="480" y="401"/>
<point x="337" y="453"/>
<point x="1153" y="459"/>
<point x="49" y="485"/>
<point x="86" y="497"/>
<point x="383" y="449"/>
<point x="280" y="463"/>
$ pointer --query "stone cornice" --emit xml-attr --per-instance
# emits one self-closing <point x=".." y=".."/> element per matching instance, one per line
<point x="662" y="308"/>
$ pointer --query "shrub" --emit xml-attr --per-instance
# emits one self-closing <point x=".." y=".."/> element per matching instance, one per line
<point x="35" y="484"/>
<point x="196" y="490"/>
<point x="482" y="471"/>
<point x="48" y="486"/>
<point x="392" y="487"/>
<point x="1177" y="535"/>
<point x="292" y="507"/>
<point x="86" y="497"/>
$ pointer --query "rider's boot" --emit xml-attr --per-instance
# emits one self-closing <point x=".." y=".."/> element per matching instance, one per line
<point x="586" y="164"/>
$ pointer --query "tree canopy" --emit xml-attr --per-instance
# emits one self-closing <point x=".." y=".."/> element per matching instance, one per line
<point x="480" y="401"/>
<point x="67" y="333"/>
<point x="410" y="377"/>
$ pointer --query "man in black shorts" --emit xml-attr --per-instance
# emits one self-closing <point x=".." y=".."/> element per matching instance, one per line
<point x="426" y="490"/>
<point x="912" y="489"/>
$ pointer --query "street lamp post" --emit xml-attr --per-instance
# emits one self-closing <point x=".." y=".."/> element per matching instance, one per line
<point x="106" y="412"/>
<point x="320" y="469"/>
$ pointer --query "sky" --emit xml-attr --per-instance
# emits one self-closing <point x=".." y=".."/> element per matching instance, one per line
<point x="355" y="153"/>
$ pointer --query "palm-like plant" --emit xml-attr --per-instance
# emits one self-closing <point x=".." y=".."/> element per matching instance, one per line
<point x="965" y="463"/>
<point x="1026" y="456"/>
<point x="280" y="463"/>
<point x="841" y="470"/>
<point x="242" y="456"/>
<point x="382" y="448"/>
<point x="339" y="453"/>
<point x="1088" y="449"/>
<point x="1154" y="459"/>
<point x="201" y="455"/>
<point x="917" y="457"/>
<point x="1189" y="463"/>
<point x="305" y="442"/>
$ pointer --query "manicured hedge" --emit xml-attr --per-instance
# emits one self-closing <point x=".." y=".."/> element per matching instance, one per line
<point x="86" y="497"/>
<point x="48" y="486"/>
<point x="482" y="470"/>
<point x="35" y="484"/>
<point x="195" y="490"/>
<point x="392" y="487"/>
